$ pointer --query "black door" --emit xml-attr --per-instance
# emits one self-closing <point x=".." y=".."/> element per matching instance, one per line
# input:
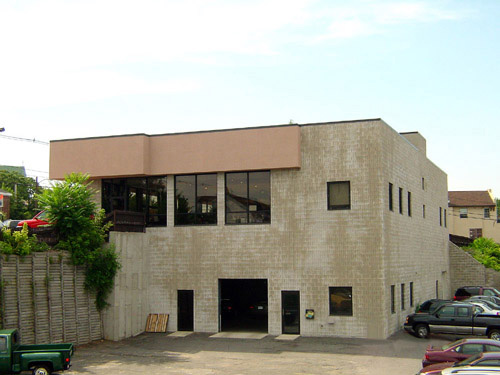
<point x="290" y="308"/>
<point x="185" y="310"/>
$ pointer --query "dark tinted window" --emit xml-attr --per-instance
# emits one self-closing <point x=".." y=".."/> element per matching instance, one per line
<point x="471" y="348"/>
<point x="447" y="311"/>
<point x="196" y="199"/>
<point x="391" y="200"/>
<point x="339" y="195"/>
<point x="341" y="300"/>
<point x="248" y="197"/>
<point x="492" y="348"/>
<point x="147" y="195"/>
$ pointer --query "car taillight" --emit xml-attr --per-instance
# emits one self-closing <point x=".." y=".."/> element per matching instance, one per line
<point x="229" y="307"/>
<point x="427" y="356"/>
<point x="454" y="298"/>
<point x="67" y="360"/>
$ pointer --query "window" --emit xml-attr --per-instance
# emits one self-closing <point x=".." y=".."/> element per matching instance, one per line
<point x="147" y="195"/>
<point x="463" y="311"/>
<point x="486" y="213"/>
<point x="411" y="294"/>
<point x="441" y="216"/>
<point x="248" y="197"/>
<point x="3" y="344"/>
<point x="423" y="183"/>
<point x="463" y="213"/>
<point x="401" y="200"/>
<point x="423" y="211"/>
<point x="196" y="199"/>
<point x="471" y="349"/>
<point x="402" y="296"/>
<point x="445" y="223"/>
<point x="409" y="203"/>
<point x="492" y="348"/>
<point x="437" y="289"/>
<point x="475" y="233"/>
<point x="391" y="201"/>
<point x="339" y="195"/>
<point x="340" y="300"/>
<point x="488" y="362"/>
<point x="393" y="299"/>
<point x="447" y="311"/>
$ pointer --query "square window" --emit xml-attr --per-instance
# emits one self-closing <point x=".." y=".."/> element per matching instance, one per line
<point x="339" y="195"/>
<point x="463" y="213"/>
<point x="340" y="300"/>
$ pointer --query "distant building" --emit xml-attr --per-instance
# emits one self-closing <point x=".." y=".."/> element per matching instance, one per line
<point x="5" y="204"/>
<point x="473" y="214"/>
<point x="9" y="168"/>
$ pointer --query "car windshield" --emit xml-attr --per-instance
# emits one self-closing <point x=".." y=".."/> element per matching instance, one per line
<point x="468" y="361"/>
<point x="447" y="346"/>
<point x="42" y="215"/>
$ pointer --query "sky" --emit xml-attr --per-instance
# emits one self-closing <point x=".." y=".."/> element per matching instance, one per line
<point x="71" y="69"/>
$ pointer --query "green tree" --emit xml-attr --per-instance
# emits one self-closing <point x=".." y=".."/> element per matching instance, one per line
<point x="81" y="230"/>
<point x="23" y="203"/>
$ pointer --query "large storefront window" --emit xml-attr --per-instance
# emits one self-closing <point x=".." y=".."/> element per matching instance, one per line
<point x="196" y="199"/>
<point x="248" y="197"/>
<point x="147" y="195"/>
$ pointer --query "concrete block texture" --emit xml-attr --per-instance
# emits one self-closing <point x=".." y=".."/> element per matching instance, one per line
<point x="306" y="247"/>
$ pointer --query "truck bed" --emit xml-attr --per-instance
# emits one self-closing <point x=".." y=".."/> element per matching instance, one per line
<point x="44" y="348"/>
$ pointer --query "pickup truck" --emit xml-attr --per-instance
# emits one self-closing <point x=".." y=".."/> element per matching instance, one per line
<point x="454" y="318"/>
<point x="40" y="359"/>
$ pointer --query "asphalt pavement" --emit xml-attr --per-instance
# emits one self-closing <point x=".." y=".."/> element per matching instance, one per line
<point x="202" y="354"/>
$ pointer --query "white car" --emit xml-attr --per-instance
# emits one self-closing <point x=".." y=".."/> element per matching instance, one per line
<point x="482" y="363"/>
<point x="486" y="306"/>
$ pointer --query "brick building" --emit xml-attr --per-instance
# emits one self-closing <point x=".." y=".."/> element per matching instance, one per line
<point x="329" y="229"/>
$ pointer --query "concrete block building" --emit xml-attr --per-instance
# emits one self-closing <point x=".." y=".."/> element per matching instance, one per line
<point x="327" y="229"/>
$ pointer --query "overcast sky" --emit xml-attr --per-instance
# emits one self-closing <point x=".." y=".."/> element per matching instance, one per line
<point x="91" y="68"/>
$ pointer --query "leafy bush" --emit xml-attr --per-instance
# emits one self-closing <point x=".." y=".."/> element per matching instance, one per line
<point x="19" y="243"/>
<point x="486" y="251"/>
<point x="82" y="231"/>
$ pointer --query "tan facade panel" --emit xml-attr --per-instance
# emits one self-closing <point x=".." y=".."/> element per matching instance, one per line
<point x="232" y="150"/>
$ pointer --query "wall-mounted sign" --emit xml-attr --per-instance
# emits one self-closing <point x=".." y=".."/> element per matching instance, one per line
<point x="309" y="314"/>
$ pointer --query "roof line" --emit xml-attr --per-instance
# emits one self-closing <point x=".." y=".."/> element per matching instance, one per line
<point x="216" y="130"/>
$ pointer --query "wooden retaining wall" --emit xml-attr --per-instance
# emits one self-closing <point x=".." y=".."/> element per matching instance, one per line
<point x="43" y="295"/>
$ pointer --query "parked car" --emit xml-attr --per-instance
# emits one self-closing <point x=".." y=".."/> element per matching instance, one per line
<point x="469" y="291"/>
<point x="40" y="359"/>
<point x="431" y="305"/>
<point x="483" y="363"/>
<point x="488" y="307"/>
<point x="258" y="309"/>
<point x="458" y="350"/>
<point x="11" y="224"/>
<point x="454" y="318"/>
<point x="493" y="299"/>
<point x="39" y="220"/>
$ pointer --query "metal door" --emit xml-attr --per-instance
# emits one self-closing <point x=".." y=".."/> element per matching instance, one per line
<point x="290" y="309"/>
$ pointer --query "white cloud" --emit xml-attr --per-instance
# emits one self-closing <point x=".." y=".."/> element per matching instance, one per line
<point x="373" y="17"/>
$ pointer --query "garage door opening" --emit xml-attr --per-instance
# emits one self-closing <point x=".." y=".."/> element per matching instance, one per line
<point x="243" y="305"/>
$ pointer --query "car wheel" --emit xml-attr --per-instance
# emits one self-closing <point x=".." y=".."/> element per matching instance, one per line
<point x="422" y="331"/>
<point x="41" y="370"/>
<point x="494" y="334"/>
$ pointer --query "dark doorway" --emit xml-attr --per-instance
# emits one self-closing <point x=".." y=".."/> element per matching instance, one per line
<point x="243" y="305"/>
<point x="290" y="307"/>
<point x="185" y="316"/>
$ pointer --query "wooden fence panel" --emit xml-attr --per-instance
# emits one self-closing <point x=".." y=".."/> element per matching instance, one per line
<point x="44" y="296"/>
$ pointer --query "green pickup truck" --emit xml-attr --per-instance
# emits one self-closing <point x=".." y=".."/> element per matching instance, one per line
<point x="40" y="359"/>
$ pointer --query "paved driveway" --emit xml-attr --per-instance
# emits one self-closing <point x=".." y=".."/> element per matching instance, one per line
<point x="198" y="353"/>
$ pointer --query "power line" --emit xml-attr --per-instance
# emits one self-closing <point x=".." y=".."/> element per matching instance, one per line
<point x="25" y="139"/>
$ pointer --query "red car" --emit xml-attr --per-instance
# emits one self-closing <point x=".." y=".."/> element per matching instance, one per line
<point x="39" y="220"/>
<point x="459" y="350"/>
